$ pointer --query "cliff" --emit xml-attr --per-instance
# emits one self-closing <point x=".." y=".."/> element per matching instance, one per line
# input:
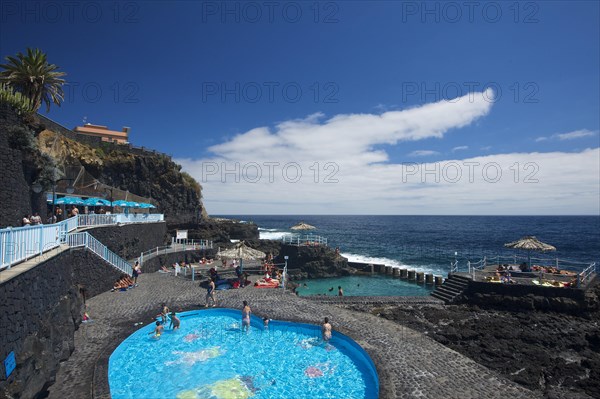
<point x="32" y="147"/>
<point x="21" y="163"/>
<point x="151" y="175"/>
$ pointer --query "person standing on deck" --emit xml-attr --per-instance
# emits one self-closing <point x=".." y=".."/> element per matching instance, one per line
<point x="340" y="291"/>
<point x="210" y="293"/>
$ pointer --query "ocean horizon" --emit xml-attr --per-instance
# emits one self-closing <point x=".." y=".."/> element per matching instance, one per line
<point x="429" y="242"/>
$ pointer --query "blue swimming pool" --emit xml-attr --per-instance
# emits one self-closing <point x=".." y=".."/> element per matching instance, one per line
<point x="375" y="285"/>
<point x="210" y="357"/>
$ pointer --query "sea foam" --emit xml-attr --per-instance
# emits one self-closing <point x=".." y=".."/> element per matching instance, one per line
<point x="389" y="262"/>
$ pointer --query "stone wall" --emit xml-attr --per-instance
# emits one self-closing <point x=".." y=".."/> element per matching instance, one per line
<point x="518" y="297"/>
<point x="40" y="309"/>
<point x="39" y="312"/>
<point x="126" y="240"/>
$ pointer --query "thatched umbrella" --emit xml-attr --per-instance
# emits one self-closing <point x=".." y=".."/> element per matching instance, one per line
<point x="242" y="252"/>
<point x="303" y="226"/>
<point x="530" y="243"/>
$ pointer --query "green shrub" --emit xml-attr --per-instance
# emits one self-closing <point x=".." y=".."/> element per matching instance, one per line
<point x="15" y="100"/>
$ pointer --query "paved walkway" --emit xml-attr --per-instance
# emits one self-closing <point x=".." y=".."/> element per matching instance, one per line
<point x="409" y="364"/>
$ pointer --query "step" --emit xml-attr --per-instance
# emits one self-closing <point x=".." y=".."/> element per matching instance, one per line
<point x="448" y="293"/>
<point x="457" y="284"/>
<point x="460" y="278"/>
<point x="444" y="297"/>
<point x="453" y="286"/>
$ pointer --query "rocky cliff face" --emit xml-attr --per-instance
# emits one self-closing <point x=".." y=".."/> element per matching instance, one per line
<point x="220" y="231"/>
<point x="313" y="261"/>
<point x="21" y="162"/>
<point x="150" y="175"/>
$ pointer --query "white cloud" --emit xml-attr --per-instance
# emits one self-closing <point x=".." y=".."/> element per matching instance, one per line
<point x="340" y="166"/>
<point x="576" y="134"/>
<point x="422" y="153"/>
<point x="460" y="148"/>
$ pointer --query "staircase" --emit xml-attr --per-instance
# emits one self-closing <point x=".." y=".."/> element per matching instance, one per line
<point x="85" y="239"/>
<point x="454" y="286"/>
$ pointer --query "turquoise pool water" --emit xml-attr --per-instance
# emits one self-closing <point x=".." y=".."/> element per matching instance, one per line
<point x="211" y="358"/>
<point x="376" y="285"/>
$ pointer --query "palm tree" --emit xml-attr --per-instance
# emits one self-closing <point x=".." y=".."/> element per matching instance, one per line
<point x="31" y="75"/>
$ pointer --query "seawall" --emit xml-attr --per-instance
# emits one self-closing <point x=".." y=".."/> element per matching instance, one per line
<point x="41" y="308"/>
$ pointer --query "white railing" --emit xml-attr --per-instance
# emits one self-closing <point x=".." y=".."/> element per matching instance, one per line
<point x="585" y="276"/>
<point x="300" y="240"/>
<point x="88" y="241"/>
<point x="181" y="246"/>
<point x="564" y="264"/>
<point x="454" y="266"/>
<point x="21" y="243"/>
<point x="197" y="244"/>
<point x="140" y="217"/>
<point x="97" y="220"/>
<point x="473" y="266"/>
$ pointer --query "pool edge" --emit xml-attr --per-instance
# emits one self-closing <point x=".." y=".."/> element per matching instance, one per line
<point x="100" y="387"/>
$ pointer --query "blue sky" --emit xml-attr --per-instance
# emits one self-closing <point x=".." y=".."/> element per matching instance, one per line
<point x="197" y="79"/>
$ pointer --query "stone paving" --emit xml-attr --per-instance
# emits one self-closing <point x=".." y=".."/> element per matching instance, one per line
<point x="409" y="364"/>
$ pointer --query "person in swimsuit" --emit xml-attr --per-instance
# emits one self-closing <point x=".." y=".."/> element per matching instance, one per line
<point x="210" y="293"/>
<point x="174" y="321"/>
<point x="326" y="330"/>
<point x="158" y="330"/>
<point x="246" y="317"/>
<point x="164" y="313"/>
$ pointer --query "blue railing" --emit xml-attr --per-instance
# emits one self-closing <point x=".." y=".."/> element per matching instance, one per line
<point x="21" y="243"/>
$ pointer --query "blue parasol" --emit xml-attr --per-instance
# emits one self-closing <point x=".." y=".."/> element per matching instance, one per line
<point x="69" y="201"/>
<point x="96" y="202"/>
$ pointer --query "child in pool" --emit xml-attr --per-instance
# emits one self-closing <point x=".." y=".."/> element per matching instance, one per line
<point x="158" y="330"/>
<point x="174" y="321"/>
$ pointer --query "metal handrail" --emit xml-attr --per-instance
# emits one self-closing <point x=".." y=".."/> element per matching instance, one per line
<point x="175" y="247"/>
<point x="18" y="244"/>
<point x="514" y="259"/>
<point x="585" y="276"/>
<point x="85" y="239"/>
<point x="454" y="266"/>
<point x="300" y="240"/>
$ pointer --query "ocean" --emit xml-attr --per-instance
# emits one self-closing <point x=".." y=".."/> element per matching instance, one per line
<point x="429" y="243"/>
